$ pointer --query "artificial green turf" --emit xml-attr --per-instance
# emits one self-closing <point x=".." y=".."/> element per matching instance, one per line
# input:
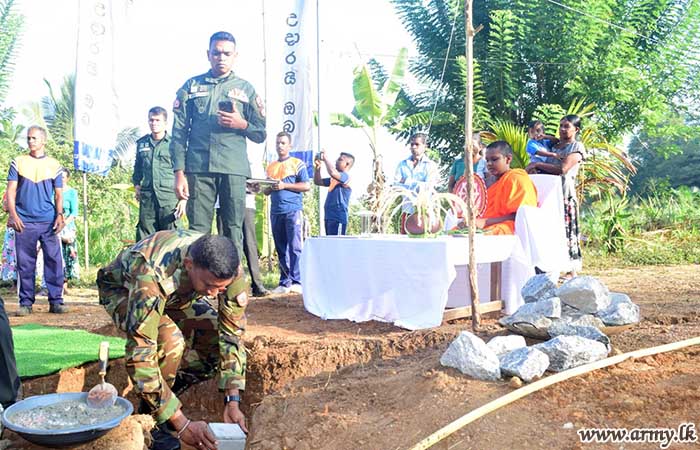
<point x="42" y="350"/>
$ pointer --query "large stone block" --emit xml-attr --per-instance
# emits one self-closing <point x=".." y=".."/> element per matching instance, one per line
<point x="585" y="331"/>
<point x="525" y="363"/>
<point x="586" y="294"/>
<point x="549" y="307"/>
<point x="506" y="344"/>
<point x="565" y="352"/>
<point x="620" y="313"/>
<point x="471" y="356"/>
<point x="527" y="324"/>
<point x="539" y="287"/>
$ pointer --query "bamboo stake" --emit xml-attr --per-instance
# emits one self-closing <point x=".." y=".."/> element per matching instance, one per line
<point x="468" y="164"/>
<point x="543" y="383"/>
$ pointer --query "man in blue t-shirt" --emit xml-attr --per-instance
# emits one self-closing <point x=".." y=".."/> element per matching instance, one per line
<point x="35" y="206"/>
<point x="286" y="212"/>
<point x="336" y="206"/>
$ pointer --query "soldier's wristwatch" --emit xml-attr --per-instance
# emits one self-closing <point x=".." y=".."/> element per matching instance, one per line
<point x="232" y="398"/>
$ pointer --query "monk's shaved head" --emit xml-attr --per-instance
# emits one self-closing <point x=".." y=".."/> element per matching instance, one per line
<point x="501" y="147"/>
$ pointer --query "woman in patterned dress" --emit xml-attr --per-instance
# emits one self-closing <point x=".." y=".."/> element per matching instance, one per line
<point x="570" y="155"/>
<point x="69" y="234"/>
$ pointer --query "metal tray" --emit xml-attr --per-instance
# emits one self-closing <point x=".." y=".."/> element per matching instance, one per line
<point x="262" y="181"/>
<point x="69" y="436"/>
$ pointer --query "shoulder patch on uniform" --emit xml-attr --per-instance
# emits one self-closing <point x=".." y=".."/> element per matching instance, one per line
<point x="176" y="104"/>
<point x="242" y="299"/>
<point x="261" y="105"/>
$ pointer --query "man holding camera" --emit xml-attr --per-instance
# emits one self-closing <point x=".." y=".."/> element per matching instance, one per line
<point x="214" y="114"/>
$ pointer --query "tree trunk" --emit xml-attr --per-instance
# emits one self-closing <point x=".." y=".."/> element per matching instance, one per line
<point x="375" y="189"/>
<point x="468" y="162"/>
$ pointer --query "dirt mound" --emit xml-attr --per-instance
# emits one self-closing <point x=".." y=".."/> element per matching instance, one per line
<point x="315" y="384"/>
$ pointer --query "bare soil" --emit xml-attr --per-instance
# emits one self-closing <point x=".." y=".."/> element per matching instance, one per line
<point x="315" y="384"/>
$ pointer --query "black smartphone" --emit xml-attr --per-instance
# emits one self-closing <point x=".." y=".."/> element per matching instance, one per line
<point x="226" y="105"/>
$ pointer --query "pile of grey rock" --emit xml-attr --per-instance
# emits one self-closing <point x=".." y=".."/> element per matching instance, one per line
<point x="569" y="317"/>
<point x="509" y="356"/>
<point x="581" y="302"/>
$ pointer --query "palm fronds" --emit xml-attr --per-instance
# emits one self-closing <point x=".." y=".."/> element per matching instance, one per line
<point x="430" y="206"/>
<point x="502" y="130"/>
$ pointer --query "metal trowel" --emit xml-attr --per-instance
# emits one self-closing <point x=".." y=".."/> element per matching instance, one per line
<point x="104" y="394"/>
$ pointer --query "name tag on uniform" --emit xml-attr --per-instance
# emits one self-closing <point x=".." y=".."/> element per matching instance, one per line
<point x="143" y="148"/>
<point x="198" y="88"/>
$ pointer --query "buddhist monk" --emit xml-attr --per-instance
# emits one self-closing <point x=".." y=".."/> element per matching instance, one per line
<point x="512" y="189"/>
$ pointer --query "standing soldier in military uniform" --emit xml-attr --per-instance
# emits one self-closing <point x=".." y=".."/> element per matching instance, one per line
<point x="153" y="179"/>
<point x="214" y="115"/>
<point x="155" y="292"/>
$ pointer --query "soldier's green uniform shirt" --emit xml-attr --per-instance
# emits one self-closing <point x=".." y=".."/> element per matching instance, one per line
<point x="199" y="144"/>
<point x="153" y="171"/>
<point x="145" y="285"/>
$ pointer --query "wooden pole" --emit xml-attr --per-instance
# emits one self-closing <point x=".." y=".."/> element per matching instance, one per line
<point x="267" y="233"/>
<point x="543" y="383"/>
<point x="469" y="164"/>
<point x="86" y="239"/>
<point x="319" y="205"/>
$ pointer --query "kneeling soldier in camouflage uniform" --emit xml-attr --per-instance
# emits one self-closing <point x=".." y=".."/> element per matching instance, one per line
<point x="155" y="292"/>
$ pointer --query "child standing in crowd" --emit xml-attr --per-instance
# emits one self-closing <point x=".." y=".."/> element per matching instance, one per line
<point x="539" y="145"/>
<point x="286" y="212"/>
<point x="457" y="169"/>
<point x="336" y="206"/>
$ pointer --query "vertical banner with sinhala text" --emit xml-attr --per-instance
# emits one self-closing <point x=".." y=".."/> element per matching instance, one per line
<point x="96" y="102"/>
<point x="291" y="51"/>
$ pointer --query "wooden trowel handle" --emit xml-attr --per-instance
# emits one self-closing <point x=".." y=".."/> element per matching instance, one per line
<point x="103" y="356"/>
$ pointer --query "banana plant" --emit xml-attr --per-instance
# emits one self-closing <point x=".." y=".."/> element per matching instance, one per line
<point x="503" y="130"/>
<point x="375" y="108"/>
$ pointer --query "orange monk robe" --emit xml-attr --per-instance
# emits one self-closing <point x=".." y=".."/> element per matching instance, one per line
<point x="505" y="196"/>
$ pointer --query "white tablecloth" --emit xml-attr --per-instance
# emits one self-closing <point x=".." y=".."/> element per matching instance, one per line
<point x="397" y="279"/>
<point x="541" y="230"/>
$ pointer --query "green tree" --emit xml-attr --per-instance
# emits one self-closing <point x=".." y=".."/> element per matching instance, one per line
<point x="636" y="60"/>
<point x="659" y="161"/>
<point x="375" y="107"/>
<point x="10" y="29"/>
<point x="59" y="110"/>
<point x="57" y="113"/>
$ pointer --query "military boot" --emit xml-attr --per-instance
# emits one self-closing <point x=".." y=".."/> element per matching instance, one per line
<point x="162" y="436"/>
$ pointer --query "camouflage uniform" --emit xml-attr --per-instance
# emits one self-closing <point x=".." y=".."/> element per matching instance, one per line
<point x="170" y="328"/>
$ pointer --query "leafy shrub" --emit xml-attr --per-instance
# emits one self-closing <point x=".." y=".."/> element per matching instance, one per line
<point x="658" y="228"/>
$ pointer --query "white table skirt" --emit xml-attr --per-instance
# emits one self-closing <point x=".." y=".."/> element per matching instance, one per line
<point x="397" y="279"/>
<point x="541" y="230"/>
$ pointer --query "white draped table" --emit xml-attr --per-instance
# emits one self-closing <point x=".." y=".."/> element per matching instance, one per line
<point x="402" y="280"/>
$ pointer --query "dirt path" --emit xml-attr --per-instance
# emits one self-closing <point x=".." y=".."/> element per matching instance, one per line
<point x="315" y="384"/>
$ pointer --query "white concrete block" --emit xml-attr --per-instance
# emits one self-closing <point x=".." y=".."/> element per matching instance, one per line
<point x="229" y="435"/>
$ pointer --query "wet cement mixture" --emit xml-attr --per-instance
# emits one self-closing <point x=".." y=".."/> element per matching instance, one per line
<point x="315" y="384"/>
